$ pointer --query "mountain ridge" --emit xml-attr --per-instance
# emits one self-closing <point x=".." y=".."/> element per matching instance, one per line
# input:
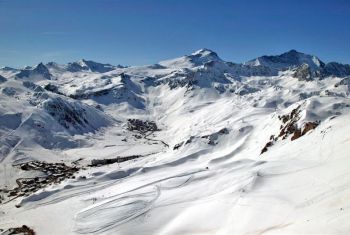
<point x="269" y="65"/>
<point x="161" y="148"/>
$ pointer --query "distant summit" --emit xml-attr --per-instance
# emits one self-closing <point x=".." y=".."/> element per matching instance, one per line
<point x="89" y="65"/>
<point x="206" y="54"/>
<point x="287" y="60"/>
<point x="38" y="72"/>
<point x="304" y="66"/>
<point x="2" y="79"/>
<point x="6" y="68"/>
<point x="197" y="58"/>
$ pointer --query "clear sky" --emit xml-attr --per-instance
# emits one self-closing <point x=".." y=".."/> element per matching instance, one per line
<point x="135" y="32"/>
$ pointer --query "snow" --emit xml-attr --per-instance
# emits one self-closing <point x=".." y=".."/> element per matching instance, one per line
<point x="289" y="59"/>
<point x="219" y="114"/>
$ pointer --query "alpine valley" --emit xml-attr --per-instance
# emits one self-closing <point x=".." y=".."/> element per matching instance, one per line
<point x="191" y="145"/>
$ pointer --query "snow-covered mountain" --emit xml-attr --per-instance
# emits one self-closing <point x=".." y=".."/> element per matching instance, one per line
<point x="300" y="61"/>
<point x="88" y="65"/>
<point x="198" y="58"/>
<point x="36" y="73"/>
<point x="287" y="60"/>
<point x="191" y="145"/>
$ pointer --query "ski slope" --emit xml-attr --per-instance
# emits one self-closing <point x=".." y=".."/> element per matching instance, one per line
<point x="202" y="171"/>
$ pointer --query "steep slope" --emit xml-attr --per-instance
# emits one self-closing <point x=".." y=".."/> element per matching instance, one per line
<point x="89" y="65"/>
<point x="31" y="118"/>
<point x="197" y="58"/>
<point x="39" y="72"/>
<point x="287" y="60"/>
<point x="2" y="79"/>
<point x="306" y="66"/>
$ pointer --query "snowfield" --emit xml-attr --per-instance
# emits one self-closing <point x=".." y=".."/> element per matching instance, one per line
<point x="191" y="145"/>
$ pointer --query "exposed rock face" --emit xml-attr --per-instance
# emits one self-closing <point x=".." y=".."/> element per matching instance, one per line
<point x="289" y="122"/>
<point x="343" y="82"/>
<point x="75" y="116"/>
<point x="268" y="144"/>
<point x="53" y="88"/>
<point x="303" y="73"/>
<point x="287" y="60"/>
<point x="2" y="79"/>
<point x="308" y="127"/>
<point x="24" y="230"/>
<point x="289" y="127"/>
<point x="88" y="65"/>
<point x="307" y="66"/>
<point x="76" y="67"/>
<point x="32" y="86"/>
<point x="336" y="69"/>
<point x="40" y="71"/>
<point x="181" y="78"/>
<point x="212" y="139"/>
<point x="98" y="67"/>
<point x="65" y="113"/>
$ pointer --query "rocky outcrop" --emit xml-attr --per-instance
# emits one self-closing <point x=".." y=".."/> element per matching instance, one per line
<point x="287" y="60"/>
<point x="2" y="79"/>
<point x="344" y="82"/>
<point x="308" y="127"/>
<point x="75" y="116"/>
<point x="212" y="139"/>
<point x="303" y="73"/>
<point x="24" y="230"/>
<point x="336" y="69"/>
<point x="65" y="113"/>
<point x="39" y="72"/>
<point x="32" y="86"/>
<point x="289" y="127"/>
<point x="88" y="65"/>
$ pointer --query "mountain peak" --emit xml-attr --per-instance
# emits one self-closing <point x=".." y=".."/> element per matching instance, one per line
<point x="197" y="58"/>
<point x="293" y="51"/>
<point x="40" y="66"/>
<point x="6" y="68"/>
<point x="83" y="65"/>
<point x="289" y="59"/>
<point x="204" y="52"/>
<point x="2" y="79"/>
<point x="205" y="55"/>
<point x="39" y="71"/>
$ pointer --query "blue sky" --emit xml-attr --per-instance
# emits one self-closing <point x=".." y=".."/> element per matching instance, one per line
<point x="135" y="32"/>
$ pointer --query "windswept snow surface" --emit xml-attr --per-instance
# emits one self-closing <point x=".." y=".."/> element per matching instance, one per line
<point x="202" y="172"/>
